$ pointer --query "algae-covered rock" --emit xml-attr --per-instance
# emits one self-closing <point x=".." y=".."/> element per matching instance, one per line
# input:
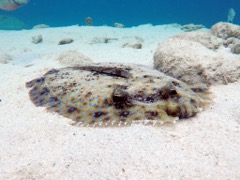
<point x="226" y="30"/>
<point x="200" y="57"/>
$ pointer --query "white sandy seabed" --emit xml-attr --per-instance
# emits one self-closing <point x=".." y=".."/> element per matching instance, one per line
<point x="36" y="144"/>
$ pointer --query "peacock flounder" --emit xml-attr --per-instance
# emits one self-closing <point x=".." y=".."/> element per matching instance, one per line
<point x="116" y="94"/>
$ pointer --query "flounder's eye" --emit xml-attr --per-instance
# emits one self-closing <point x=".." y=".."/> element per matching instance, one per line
<point x="119" y="95"/>
<point x="172" y="92"/>
<point x="121" y="98"/>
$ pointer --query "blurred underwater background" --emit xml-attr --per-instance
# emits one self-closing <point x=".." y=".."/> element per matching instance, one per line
<point x="128" y="12"/>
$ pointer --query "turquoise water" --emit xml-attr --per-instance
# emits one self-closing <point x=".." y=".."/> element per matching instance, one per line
<point x="127" y="12"/>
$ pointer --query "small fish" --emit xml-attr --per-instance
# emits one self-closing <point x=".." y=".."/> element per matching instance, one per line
<point x="9" y="5"/>
<point x="116" y="94"/>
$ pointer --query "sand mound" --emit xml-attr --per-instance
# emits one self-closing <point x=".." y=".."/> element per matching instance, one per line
<point x="200" y="57"/>
<point x="73" y="58"/>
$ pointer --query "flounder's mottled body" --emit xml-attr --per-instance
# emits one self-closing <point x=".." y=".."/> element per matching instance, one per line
<point x="113" y="94"/>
